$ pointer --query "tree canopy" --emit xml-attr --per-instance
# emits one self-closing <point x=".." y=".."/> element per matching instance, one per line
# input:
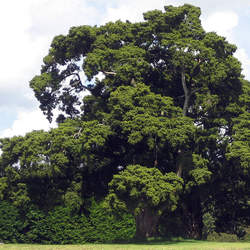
<point x="153" y="118"/>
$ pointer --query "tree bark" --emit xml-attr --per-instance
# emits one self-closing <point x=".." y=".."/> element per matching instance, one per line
<point x="146" y="224"/>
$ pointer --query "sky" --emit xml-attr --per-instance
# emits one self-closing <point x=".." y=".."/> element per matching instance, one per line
<point x="27" y="28"/>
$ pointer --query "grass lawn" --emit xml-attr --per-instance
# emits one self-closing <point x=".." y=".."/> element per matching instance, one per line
<point x="185" y="244"/>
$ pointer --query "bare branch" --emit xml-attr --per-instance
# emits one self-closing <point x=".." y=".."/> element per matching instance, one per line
<point x="77" y="135"/>
<point x="109" y="73"/>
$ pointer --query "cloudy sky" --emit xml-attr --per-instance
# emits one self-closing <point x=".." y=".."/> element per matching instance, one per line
<point x="27" y="28"/>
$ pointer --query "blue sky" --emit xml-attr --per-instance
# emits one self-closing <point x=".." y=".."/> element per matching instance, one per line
<point x="27" y="28"/>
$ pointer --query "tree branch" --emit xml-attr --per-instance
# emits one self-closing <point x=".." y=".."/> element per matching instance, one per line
<point x="78" y="78"/>
<point x="187" y="93"/>
<point x="109" y="73"/>
<point x="77" y="134"/>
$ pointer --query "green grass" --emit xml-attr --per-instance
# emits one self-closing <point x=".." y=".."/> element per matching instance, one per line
<point x="185" y="245"/>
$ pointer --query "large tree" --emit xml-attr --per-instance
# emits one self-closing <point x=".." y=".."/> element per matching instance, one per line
<point x="161" y="93"/>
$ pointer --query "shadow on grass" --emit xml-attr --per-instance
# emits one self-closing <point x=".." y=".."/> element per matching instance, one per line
<point x="156" y="241"/>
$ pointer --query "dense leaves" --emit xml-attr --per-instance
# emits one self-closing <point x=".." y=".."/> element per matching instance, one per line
<point x="163" y="94"/>
<point x="146" y="193"/>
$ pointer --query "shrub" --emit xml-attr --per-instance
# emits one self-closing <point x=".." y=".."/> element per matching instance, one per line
<point x="108" y="227"/>
<point x="65" y="227"/>
<point x="10" y="223"/>
<point x="208" y="224"/>
<point x="222" y="237"/>
<point x="59" y="226"/>
<point x="36" y="226"/>
<point x="246" y="237"/>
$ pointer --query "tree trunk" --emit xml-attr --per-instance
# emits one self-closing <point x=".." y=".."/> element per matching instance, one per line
<point x="194" y="229"/>
<point x="193" y="218"/>
<point x="146" y="224"/>
<point x="183" y="161"/>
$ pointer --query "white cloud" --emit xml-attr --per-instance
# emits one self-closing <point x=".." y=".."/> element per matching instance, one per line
<point x="26" y="122"/>
<point x="14" y="40"/>
<point x="27" y="28"/>
<point x="52" y="18"/>
<point x="224" y="23"/>
<point x="131" y="10"/>
<point x="221" y="22"/>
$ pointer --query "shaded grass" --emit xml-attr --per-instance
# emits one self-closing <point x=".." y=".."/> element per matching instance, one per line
<point x="173" y="245"/>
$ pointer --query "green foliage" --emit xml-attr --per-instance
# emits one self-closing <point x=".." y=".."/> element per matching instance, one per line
<point x="10" y="223"/>
<point x="146" y="193"/>
<point x="65" y="227"/>
<point x="208" y="225"/>
<point x="36" y="227"/>
<point x="222" y="237"/>
<point x="72" y="197"/>
<point x="59" y="226"/>
<point x="107" y="227"/>
<point x="246" y="237"/>
<point x="239" y="148"/>
<point x="144" y="114"/>
<point x="3" y="187"/>
<point x="137" y="188"/>
<point x="171" y="98"/>
<point x="199" y="174"/>
<point x="20" y="197"/>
